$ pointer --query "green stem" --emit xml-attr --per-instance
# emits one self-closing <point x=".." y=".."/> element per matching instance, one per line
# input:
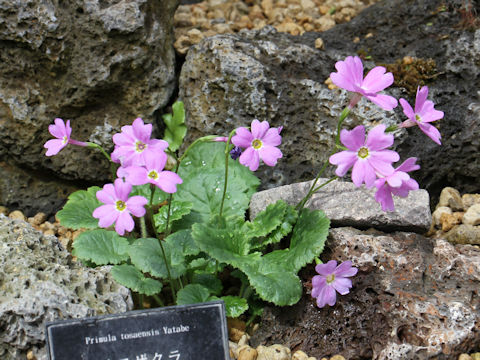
<point x="158" y="300"/>
<point x="227" y="154"/>
<point x="167" y="226"/>
<point x="170" y="280"/>
<point x="312" y="189"/>
<point x="143" y="227"/>
<point x="201" y="139"/>
<point x="113" y="169"/>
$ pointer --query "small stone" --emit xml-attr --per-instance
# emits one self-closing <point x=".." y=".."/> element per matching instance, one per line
<point x="274" y="352"/>
<point x="451" y="197"/>
<point x="4" y="210"/>
<point x="407" y="60"/>
<point x="464" y="357"/>
<point x="39" y="218"/>
<point x="356" y="40"/>
<point x="469" y="200"/>
<point x="475" y="356"/>
<point x="472" y="215"/>
<point x="337" y="357"/>
<point x="245" y="352"/>
<point x="319" y="43"/>
<point x="30" y="355"/>
<point x="448" y="221"/>
<point x="49" y="232"/>
<point x="437" y="214"/>
<point x="291" y="28"/>
<point x="307" y="5"/>
<point x="324" y="23"/>
<point x="299" y="355"/>
<point x="244" y="340"/>
<point x="308" y="27"/>
<point x="233" y="349"/>
<point x="17" y="215"/>
<point x="236" y="329"/>
<point x="464" y="234"/>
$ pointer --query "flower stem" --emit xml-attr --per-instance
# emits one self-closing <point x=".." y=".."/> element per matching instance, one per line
<point x="227" y="154"/>
<point x="313" y="189"/>
<point x="150" y="216"/>
<point x="102" y="150"/>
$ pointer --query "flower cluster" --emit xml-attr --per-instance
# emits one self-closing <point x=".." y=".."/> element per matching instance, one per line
<point x="368" y="156"/>
<point x="142" y="161"/>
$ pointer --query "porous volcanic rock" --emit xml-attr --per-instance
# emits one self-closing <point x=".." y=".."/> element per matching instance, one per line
<point x="228" y="80"/>
<point x="413" y="298"/>
<point x="99" y="63"/>
<point x="40" y="283"/>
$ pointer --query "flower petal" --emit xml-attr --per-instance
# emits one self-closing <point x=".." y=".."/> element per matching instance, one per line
<point x="431" y="131"/>
<point x="242" y="138"/>
<point x="272" y="137"/>
<point x="344" y="160"/>
<point x="106" y="215"/>
<point x="422" y="94"/>
<point x="377" y="139"/>
<point x="353" y="139"/>
<point x="342" y="285"/>
<point x="54" y="146"/>
<point x="124" y="222"/>
<point x="345" y="269"/>
<point x="250" y="158"/>
<point x="259" y="129"/>
<point x="376" y="80"/>
<point x="326" y="269"/>
<point x="122" y="189"/>
<point x="270" y="154"/>
<point x="136" y="205"/>
<point x="386" y="102"/>
<point x="141" y="131"/>
<point x="167" y="181"/>
<point x="107" y="195"/>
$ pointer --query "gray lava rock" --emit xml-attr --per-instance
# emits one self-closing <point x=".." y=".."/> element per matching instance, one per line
<point x="99" y="63"/>
<point x="228" y="80"/>
<point x="413" y="298"/>
<point x="347" y="205"/>
<point x="40" y="283"/>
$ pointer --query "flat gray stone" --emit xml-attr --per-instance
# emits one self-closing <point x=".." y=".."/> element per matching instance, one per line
<point x="348" y="205"/>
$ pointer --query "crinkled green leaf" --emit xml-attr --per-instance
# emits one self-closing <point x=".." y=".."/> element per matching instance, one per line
<point x="281" y="231"/>
<point x="131" y="277"/>
<point x="202" y="172"/>
<point x="210" y="281"/>
<point x="308" y="240"/>
<point x="175" y="126"/>
<point x="273" y="284"/>
<point x="267" y="220"/>
<point x="222" y="238"/>
<point x="146" y="254"/>
<point x="77" y="212"/>
<point x="234" y="305"/>
<point x="192" y="294"/>
<point x="184" y="241"/>
<point x="177" y="210"/>
<point x="159" y="196"/>
<point x="101" y="246"/>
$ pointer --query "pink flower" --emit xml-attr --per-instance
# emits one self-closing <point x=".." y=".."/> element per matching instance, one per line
<point x="368" y="157"/>
<point x="259" y="144"/>
<point x="350" y="77"/>
<point x="332" y="278"/>
<point x="62" y="133"/>
<point x="118" y="207"/>
<point x="152" y="173"/>
<point x="397" y="183"/>
<point x="134" y="142"/>
<point x="424" y="114"/>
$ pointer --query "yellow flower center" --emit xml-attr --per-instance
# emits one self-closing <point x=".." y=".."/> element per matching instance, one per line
<point x="120" y="205"/>
<point x="418" y="118"/>
<point x="257" y="144"/>
<point x="65" y="139"/>
<point x="330" y="278"/>
<point x="140" y="146"/>
<point x="153" y="175"/>
<point x="362" y="153"/>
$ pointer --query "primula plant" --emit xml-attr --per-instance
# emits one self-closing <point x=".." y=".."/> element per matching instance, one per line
<point x="173" y="223"/>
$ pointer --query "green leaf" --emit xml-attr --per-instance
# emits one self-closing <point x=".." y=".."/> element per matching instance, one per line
<point x="131" y="277"/>
<point x="234" y="305"/>
<point x="101" y="246"/>
<point x="177" y="210"/>
<point x="146" y="254"/>
<point x="184" y="241"/>
<point x="192" y="294"/>
<point x="222" y="238"/>
<point x="202" y="172"/>
<point x="209" y="281"/>
<point x="285" y="228"/>
<point x="77" y="212"/>
<point x="146" y="191"/>
<point x="268" y="219"/>
<point x="308" y="241"/>
<point x="176" y="128"/>
<point x="274" y="284"/>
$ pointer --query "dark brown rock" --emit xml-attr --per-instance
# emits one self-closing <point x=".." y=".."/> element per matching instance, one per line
<point x="99" y="63"/>
<point x="413" y="298"/>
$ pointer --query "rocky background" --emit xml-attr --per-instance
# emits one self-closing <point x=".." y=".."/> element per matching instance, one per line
<point x="102" y="63"/>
